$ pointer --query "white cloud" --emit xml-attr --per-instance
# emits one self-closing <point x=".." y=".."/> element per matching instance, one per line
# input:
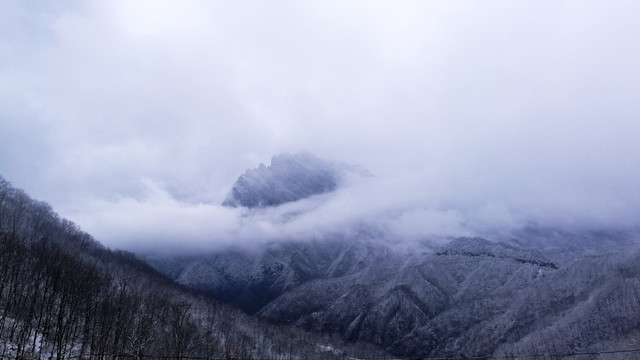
<point x="469" y="113"/>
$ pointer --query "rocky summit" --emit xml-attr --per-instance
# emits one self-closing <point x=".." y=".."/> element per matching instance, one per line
<point x="289" y="177"/>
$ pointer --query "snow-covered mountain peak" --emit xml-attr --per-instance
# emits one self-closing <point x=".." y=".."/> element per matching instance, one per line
<point x="289" y="177"/>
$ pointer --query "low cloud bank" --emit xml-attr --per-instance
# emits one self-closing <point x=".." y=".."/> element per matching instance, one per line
<point x="418" y="208"/>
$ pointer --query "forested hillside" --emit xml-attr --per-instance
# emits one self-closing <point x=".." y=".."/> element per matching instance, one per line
<point x="470" y="297"/>
<point x="63" y="296"/>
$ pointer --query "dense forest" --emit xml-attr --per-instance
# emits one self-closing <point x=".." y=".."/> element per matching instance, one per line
<point x="65" y="296"/>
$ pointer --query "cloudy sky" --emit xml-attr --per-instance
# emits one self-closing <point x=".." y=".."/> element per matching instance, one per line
<point x="133" y="118"/>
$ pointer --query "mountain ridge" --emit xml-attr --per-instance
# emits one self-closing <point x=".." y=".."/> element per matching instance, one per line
<point x="365" y="290"/>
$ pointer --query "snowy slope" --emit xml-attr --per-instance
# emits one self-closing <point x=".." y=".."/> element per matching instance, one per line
<point x="471" y="296"/>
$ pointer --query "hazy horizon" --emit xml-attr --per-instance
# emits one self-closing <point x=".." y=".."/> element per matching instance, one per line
<point x="134" y="118"/>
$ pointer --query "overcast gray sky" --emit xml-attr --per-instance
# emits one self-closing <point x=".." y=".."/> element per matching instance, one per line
<point x="133" y="118"/>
